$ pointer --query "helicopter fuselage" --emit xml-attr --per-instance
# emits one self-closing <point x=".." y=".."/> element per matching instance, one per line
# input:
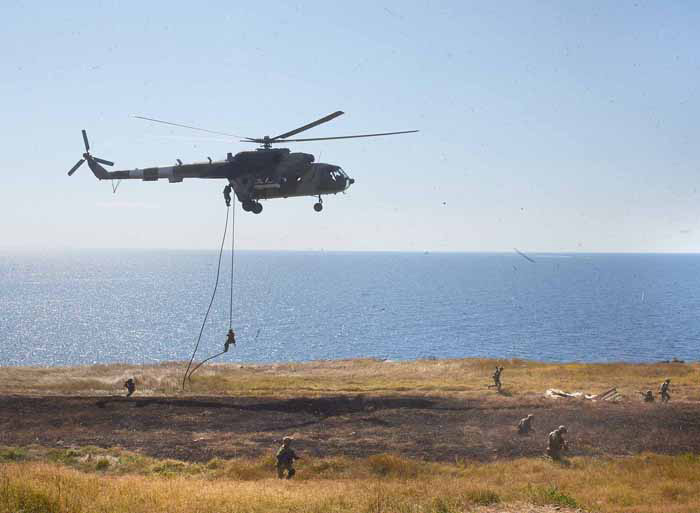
<point x="253" y="175"/>
<point x="264" y="173"/>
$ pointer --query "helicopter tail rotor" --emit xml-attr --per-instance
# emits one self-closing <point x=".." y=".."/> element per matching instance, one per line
<point x="75" y="167"/>
<point x="85" y="139"/>
<point x="87" y="157"/>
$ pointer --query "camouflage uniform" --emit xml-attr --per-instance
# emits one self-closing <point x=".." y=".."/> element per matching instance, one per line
<point x="285" y="459"/>
<point x="130" y="386"/>
<point x="230" y="339"/>
<point x="648" y="396"/>
<point x="525" y="425"/>
<point x="227" y="195"/>
<point x="497" y="378"/>
<point x="556" y="443"/>
<point x="663" y="391"/>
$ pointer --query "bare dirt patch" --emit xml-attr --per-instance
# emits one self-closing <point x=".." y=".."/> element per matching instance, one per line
<point x="425" y="427"/>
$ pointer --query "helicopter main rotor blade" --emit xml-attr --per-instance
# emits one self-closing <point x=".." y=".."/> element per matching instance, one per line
<point x="310" y="125"/>
<point x="190" y="127"/>
<point x="341" y="137"/>
<point x="85" y="139"/>
<point x="76" y="166"/>
<point x="103" y="161"/>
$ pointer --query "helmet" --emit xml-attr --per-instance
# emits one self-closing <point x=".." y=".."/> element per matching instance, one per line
<point x="530" y="415"/>
<point x="287" y="439"/>
<point x="668" y="380"/>
<point x="562" y="429"/>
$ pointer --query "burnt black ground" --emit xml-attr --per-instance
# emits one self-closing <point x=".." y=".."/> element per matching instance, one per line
<point x="431" y="428"/>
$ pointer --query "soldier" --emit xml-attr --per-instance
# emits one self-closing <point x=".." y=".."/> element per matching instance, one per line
<point x="497" y="378"/>
<point x="648" y="396"/>
<point x="556" y="443"/>
<point x="525" y="425"/>
<point x="285" y="459"/>
<point x="227" y="195"/>
<point x="230" y="339"/>
<point x="663" y="390"/>
<point x="130" y="386"/>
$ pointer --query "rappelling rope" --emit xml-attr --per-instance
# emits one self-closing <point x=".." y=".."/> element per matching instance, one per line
<point x="213" y="295"/>
<point x="230" y="316"/>
<point x="203" y="362"/>
<point x="233" y="242"/>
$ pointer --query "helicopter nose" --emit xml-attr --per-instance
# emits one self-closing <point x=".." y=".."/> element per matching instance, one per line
<point x="351" y="181"/>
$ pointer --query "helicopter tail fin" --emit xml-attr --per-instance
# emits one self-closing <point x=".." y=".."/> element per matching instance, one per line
<point x="97" y="170"/>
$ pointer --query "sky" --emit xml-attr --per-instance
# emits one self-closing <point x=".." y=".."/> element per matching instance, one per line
<point x="546" y="126"/>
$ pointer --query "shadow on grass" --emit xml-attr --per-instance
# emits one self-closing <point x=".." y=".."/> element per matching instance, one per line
<point x="321" y="407"/>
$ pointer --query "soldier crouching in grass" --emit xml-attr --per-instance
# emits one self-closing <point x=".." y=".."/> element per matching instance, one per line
<point x="556" y="443"/>
<point x="648" y="396"/>
<point x="130" y="386"/>
<point x="525" y="425"/>
<point x="285" y="459"/>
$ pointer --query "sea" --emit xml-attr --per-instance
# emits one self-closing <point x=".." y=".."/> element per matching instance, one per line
<point x="138" y="306"/>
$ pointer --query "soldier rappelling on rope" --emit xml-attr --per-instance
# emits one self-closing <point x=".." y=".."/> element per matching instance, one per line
<point x="227" y="195"/>
<point x="230" y="336"/>
<point x="230" y="340"/>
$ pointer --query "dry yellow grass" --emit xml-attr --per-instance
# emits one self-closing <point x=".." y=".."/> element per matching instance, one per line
<point x="458" y="378"/>
<point x="383" y="483"/>
<point x="89" y="479"/>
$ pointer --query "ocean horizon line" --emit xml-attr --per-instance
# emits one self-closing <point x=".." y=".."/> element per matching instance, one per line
<point x="19" y="251"/>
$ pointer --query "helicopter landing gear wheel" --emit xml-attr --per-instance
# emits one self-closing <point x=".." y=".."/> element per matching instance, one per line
<point x="318" y="206"/>
<point x="248" y="205"/>
<point x="257" y="208"/>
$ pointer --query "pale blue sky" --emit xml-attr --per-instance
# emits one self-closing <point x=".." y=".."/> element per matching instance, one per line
<point x="547" y="126"/>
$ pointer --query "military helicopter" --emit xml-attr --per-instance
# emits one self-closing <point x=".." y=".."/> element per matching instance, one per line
<point x="264" y="173"/>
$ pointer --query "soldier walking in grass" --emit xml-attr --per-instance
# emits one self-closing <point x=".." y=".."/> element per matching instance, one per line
<point x="556" y="443"/>
<point x="663" y="390"/>
<point x="130" y="386"/>
<point x="497" y="378"/>
<point x="525" y="425"/>
<point x="285" y="459"/>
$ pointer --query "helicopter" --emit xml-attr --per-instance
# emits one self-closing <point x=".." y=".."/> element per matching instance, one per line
<point x="261" y="174"/>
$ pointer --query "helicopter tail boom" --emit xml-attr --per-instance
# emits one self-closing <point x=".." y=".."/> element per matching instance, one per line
<point x="174" y="174"/>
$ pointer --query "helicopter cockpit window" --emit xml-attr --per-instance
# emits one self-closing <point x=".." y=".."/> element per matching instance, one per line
<point x="336" y="175"/>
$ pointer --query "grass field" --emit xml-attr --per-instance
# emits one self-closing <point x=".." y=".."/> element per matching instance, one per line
<point x="75" y="478"/>
<point x="95" y="480"/>
<point x="455" y="378"/>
